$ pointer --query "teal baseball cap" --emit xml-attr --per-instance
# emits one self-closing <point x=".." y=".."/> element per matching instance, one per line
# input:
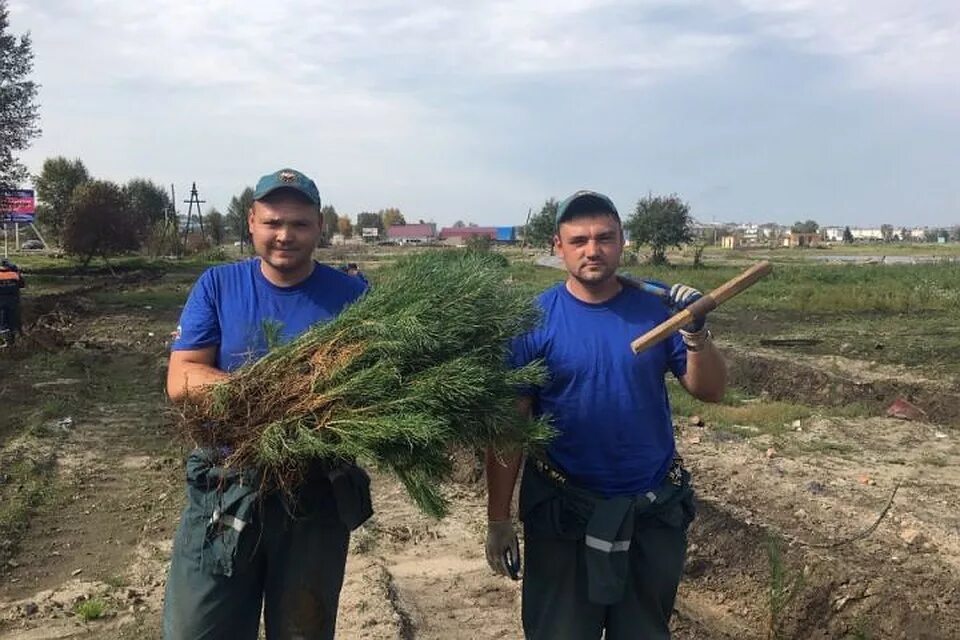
<point x="287" y="179"/>
<point x="585" y="201"/>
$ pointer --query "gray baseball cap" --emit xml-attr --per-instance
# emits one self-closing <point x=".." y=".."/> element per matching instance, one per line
<point x="585" y="201"/>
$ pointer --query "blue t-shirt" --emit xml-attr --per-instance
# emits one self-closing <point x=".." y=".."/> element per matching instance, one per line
<point x="236" y="308"/>
<point x="609" y="406"/>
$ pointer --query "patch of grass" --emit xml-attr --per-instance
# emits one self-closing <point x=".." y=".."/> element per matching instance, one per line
<point x="785" y="584"/>
<point x="158" y="299"/>
<point x="26" y="483"/>
<point x="53" y="264"/>
<point x="538" y="278"/>
<point x="117" y="582"/>
<point x="54" y="407"/>
<point x="91" y="609"/>
<point x="770" y="417"/>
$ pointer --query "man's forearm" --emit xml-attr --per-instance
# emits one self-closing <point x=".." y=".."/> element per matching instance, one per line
<point x="706" y="377"/>
<point x="502" y="470"/>
<point x="191" y="377"/>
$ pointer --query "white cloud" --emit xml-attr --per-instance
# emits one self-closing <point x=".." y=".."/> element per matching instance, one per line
<point x="220" y="42"/>
<point x="890" y="42"/>
<point x="441" y="105"/>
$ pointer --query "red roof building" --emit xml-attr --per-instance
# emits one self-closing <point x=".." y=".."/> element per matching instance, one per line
<point x="417" y="232"/>
<point x="468" y="232"/>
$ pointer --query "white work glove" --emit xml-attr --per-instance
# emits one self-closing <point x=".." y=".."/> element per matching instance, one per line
<point x="682" y="296"/>
<point x="503" y="548"/>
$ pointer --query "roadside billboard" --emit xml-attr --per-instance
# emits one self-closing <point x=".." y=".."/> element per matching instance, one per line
<point x="17" y="205"/>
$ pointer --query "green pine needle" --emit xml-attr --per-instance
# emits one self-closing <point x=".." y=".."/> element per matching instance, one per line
<point x="414" y="370"/>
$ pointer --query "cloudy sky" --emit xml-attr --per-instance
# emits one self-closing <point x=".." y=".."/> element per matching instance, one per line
<point x="845" y="111"/>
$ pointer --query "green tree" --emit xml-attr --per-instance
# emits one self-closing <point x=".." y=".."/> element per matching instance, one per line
<point x="807" y="226"/>
<point x="367" y="220"/>
<point x="19" y="111"/>
<point x="847" y="236"/>
<point x="236" y="218"/>
<point x="215" y="226"/>
<point x="390" y="217"/>
<point x="345" y="226"/>
<point x="55" y="185"/>
<point x="98" y="222"/>
<point x="661" y="222"/>
<point x="459" y="224"/>
<point x="886" y="232"/>
<point x="148" y="200"/>
<point x="328" y="223"/>
<point x="542" y="226"/>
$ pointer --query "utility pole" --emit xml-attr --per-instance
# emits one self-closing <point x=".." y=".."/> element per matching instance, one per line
<point x="526" y="229"/>
<point x="193" y="200"/>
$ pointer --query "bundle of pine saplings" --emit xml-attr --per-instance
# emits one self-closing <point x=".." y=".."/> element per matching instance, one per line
<point x="411" y="372"/>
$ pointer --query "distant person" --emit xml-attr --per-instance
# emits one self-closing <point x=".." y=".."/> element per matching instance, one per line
<point x="11" y="281"/>
<point x="605" y="509"/>
<point x="241" y="548"/>
<point x="352" y="269"/>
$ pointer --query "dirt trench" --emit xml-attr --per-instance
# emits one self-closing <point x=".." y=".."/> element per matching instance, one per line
<point x="836" y="381"/>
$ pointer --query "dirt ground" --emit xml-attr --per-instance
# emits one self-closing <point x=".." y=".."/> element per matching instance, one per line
<point x="848" y="561"/>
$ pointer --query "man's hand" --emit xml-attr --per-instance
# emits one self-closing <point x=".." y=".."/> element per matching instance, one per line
<point x="681" y="296"/>
<point x="503" y="548"/>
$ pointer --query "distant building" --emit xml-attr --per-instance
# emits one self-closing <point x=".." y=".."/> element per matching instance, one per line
<point x="460" y="235"/>
<point x="833" y="234"/>
<point x="730" y="242"/>
<point x="866" y="234"/>
<point x="338" y="239"/>
<point x="412" y="233"/>
<point x="752" y="234"/>
<point x="506" y="235"/>
<point x="801" y="239"/>
<point x="749" y="233"/>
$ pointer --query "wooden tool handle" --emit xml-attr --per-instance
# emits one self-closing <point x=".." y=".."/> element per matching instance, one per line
<point x="703" y="306"/>
<point x="741" y="283"/>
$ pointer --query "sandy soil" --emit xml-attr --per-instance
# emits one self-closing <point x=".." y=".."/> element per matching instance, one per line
<point x="814" y="491"/>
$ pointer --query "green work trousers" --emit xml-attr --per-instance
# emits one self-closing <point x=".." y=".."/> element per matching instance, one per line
<point x="237" y="553"/>
<point x="555" y="603"/>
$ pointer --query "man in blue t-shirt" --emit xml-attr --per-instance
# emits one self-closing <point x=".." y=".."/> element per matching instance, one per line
<point x="606" y="508"/>
<point x="241" y="549"/>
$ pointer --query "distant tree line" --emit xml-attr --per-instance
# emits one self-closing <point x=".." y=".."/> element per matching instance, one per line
<point x="89" y="217"/>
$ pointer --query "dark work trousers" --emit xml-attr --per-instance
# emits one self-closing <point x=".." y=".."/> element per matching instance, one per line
<point x="9" y="316"/>
<point x="236" y="553"/>
<point x="555" y="602"/>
